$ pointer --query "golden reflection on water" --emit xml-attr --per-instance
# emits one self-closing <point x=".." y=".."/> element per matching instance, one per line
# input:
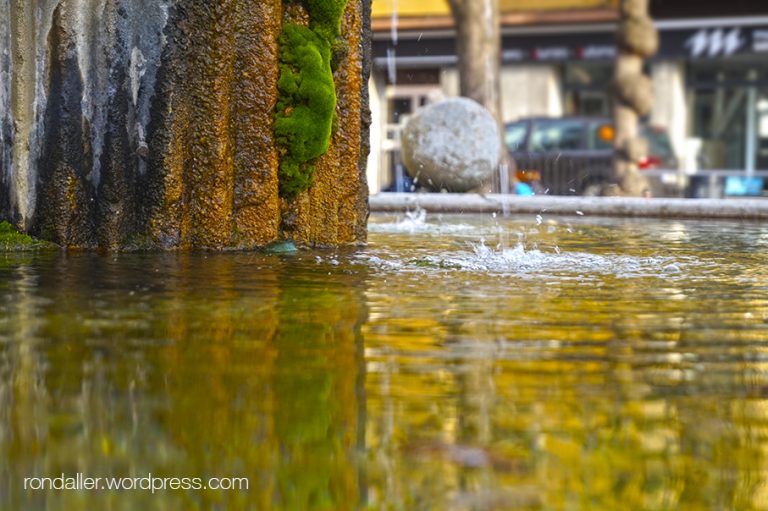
<point x="346" y="381"/>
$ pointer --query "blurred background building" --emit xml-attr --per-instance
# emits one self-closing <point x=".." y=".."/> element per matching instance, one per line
<point x="710" y="74"/>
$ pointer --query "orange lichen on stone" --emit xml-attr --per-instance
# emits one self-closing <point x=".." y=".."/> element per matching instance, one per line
<point x="211" y="173"/>
<point x="167" y="220"/>
<point x="353" y="211"/>
<point x="218" y="163"/>
<point x="256" y="209"/>
<point x="319" y="216"/>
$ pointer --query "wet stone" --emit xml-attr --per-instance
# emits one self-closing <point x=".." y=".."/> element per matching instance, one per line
<point x="156" y="122"/>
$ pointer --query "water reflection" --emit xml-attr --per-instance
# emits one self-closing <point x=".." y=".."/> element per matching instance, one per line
<point x="181" y="365"/>
<point x="589" y="378"/>
<point x="628" y="391"/>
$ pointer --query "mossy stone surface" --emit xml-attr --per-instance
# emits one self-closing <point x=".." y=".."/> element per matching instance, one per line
<point x="11" y="240"/>
<point x="325" y="17"/>
<point x="307" y="94"/>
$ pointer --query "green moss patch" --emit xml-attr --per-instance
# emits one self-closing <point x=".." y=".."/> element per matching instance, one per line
<point x="11" y="240"/>
<point x="325" y="17"/>
<point x="307" y="94"/>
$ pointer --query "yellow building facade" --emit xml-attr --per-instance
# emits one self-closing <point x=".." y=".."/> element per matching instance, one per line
<point x="383" y="8"/>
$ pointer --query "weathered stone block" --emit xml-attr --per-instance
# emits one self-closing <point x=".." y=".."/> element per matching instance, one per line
<point x="126" y="124"/>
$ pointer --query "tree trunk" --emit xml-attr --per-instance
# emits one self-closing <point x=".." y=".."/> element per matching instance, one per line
<point x="478" y="46"/>
<point x="632" y="95"/>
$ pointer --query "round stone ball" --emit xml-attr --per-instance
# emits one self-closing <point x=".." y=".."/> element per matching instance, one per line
<point x="452" y="145"/>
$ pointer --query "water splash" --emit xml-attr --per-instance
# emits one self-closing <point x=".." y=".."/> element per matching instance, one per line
<point x="416" y="222"/>
<point x="521" y="261"/>
<point x="504" y="188"/>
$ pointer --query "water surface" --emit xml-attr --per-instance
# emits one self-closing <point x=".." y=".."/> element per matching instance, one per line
<point x="455" y="363"/>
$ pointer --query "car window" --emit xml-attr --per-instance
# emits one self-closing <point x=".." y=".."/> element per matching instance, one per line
<point x="557" y="135"/>
<point x="658" y="141"/>
<point x="514" y="135"/>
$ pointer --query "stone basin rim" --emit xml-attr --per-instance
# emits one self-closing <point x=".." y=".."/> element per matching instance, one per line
<point x="672" y="208"/>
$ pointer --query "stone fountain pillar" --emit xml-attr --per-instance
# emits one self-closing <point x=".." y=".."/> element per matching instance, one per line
<point x="151" y="123"/>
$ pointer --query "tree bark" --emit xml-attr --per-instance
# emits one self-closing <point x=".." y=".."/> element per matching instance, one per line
<point x="478" y="47"/>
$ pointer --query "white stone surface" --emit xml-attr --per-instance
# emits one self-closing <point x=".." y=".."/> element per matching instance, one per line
<point x="452" y="145"/>
<point x="378" y="104"/>
<point x="742" y="209"/>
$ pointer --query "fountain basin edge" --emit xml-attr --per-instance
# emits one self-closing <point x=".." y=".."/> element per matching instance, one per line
<point x="733" y="209"/>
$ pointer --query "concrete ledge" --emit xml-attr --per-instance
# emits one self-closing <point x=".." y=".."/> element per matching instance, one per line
<point x="739" y="209"/>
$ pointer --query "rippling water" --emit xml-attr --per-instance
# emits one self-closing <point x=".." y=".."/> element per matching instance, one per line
<point x="455" y="363"/>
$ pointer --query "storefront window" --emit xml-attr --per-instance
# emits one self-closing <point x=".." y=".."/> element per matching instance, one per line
<point x="725" y="97"/>
<point x="762" y="129"/>
<point x="402" y="102"/>
<point x="585" y="86"/>
<point x="588" y="74"/>
<point x="716" y="73"/>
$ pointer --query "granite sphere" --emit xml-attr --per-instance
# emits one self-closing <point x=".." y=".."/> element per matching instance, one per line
<point x="452" y="145"/>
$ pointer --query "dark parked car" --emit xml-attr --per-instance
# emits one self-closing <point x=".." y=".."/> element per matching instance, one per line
<point x="573" y="155"/>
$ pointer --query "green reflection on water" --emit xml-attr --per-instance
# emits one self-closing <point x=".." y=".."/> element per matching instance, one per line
<point x="632" y="377"/>
<point x="178" y="365"/>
